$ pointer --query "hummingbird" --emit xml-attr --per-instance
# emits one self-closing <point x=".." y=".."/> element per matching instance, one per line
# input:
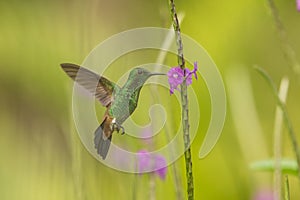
<point x="120" y="102"/>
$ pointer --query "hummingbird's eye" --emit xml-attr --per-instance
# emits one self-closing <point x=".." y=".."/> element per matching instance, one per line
<point x="140" y="71"/>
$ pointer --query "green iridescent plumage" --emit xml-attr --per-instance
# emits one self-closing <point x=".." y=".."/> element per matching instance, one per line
<point x="120" y="102"/>
<point x="126" y="98"/>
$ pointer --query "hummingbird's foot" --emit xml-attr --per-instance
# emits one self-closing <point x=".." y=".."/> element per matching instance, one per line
<point x="116" y="127"/>
<point x="122" y="130"/>
<point x="119" y="129"/>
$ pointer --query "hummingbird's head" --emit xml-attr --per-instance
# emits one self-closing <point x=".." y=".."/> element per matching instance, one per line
<point x="140" y="75"/>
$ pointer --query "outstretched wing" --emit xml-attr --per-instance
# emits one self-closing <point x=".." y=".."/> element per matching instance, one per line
<point x="97" y="85"/>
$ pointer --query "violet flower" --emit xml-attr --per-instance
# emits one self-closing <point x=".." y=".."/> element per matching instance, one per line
<point x="160" y="165"/>
<point x="298" y="5"/>
<point x="144" y="159"/>
<point x="264" y="195"/>
<point x="156" y="163"/>
<point x="176" y="76"/>
<point x="190" y="73"/>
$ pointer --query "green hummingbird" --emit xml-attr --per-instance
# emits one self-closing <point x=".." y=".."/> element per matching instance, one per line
<point x="120" y="102"/>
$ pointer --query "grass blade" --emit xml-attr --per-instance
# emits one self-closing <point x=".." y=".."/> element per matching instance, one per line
<point x="286" y="117"/>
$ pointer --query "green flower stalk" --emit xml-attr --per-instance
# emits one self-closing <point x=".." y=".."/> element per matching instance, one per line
<point x="286" y="188"/>
<point x="286" y="117"/>
<point x="184" y="103"/>
<point x="287" y="49"/>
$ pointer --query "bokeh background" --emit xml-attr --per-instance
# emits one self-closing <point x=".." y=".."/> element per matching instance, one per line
<point x="41" y="156"/>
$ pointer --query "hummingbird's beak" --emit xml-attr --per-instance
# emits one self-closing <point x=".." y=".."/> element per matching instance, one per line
<point x="153" y="74"/>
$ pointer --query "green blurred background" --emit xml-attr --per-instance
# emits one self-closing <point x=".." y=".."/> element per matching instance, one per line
<point x="41" y="156"/>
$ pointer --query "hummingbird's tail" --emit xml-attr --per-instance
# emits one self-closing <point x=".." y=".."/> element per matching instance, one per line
<point x="101" y="142"/>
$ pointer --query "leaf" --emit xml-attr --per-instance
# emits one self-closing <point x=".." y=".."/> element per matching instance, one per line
<point x="287" y="166"/>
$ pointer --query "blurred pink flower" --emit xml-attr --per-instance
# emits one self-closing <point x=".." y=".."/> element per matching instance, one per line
<point x="156" y="163"/>
<point x="160" y="165"/>
<point x="144" y="159"/>
<point x="264" y="195"/>
<point x="298" y="5"/>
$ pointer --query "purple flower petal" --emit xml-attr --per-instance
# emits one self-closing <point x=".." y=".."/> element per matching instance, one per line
<point x="264" y="195"/>
<point x="189" y="76"/>
<point x="195" y="70"/>
<point x="175" y="78"/>
<point x="190" y="73"/>
<point x="172" y="90"/>
<point x="298" y="5"/>
<point x="144" y="160"/>
<point x="161" y="166"/>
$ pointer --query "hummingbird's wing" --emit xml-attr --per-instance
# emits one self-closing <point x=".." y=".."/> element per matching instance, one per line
<point x="99" y="86"/>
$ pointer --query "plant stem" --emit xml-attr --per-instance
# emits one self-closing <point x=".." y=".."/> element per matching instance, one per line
<point x="286" y="117"/>
<point x="286" y="188"/>
<point x="184" y="103"/>
<point x="176" y="27"/>
<point x="152" y="186"/>
<point x="135" y="183"/>
<point x="288" y="51"/>
<point x="283" y="90"/>
<point x="160" y="59"/>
